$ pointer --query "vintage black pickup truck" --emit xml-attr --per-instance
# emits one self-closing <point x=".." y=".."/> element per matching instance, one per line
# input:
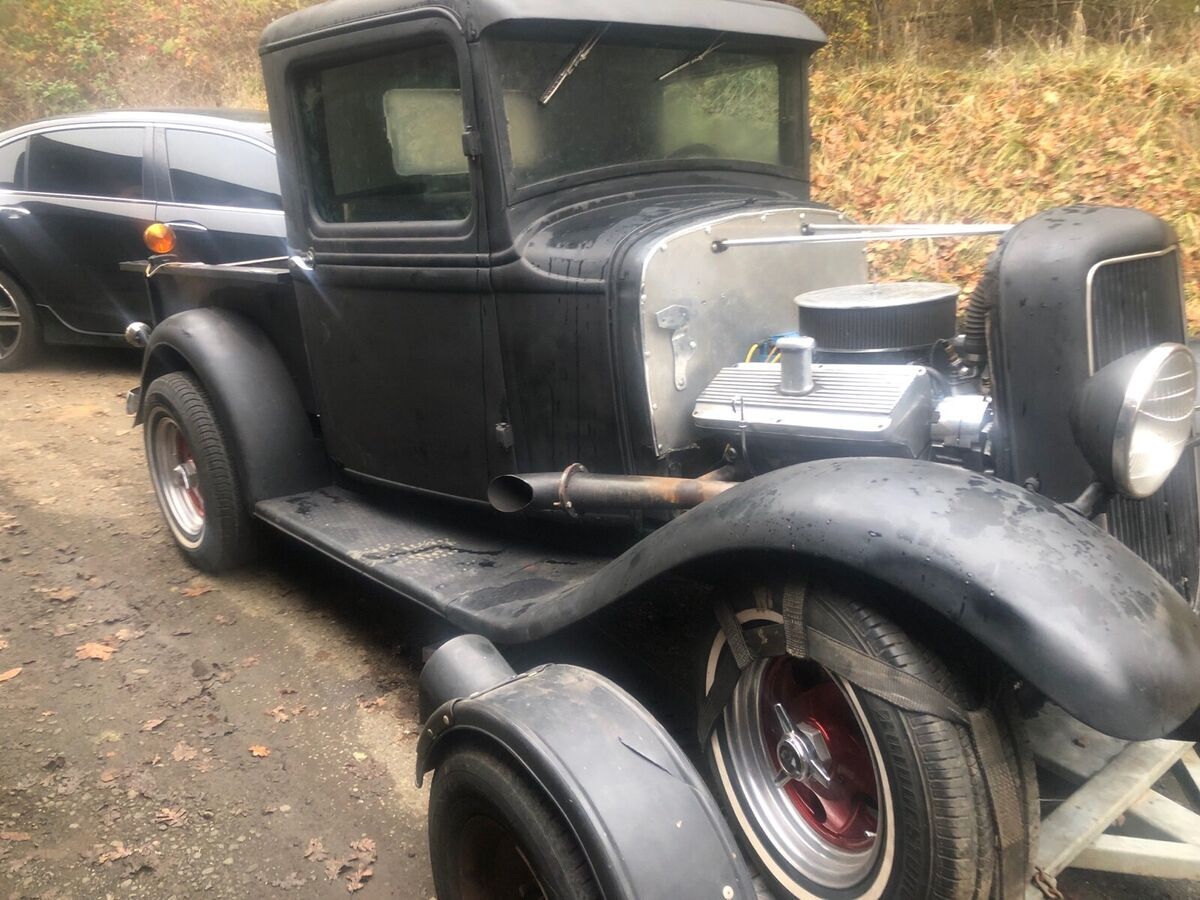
<point x="563" y="325"/>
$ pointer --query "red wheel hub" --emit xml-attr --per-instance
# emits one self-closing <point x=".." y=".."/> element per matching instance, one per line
<point x="845" y="811"/>
<point x="188" y="462"/>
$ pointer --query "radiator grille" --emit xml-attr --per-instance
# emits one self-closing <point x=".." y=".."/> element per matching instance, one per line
<point x="1136" y="304"/>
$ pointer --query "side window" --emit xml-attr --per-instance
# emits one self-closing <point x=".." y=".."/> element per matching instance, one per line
<point x="93" y="162"/>
<point x="12" y="165"/>
<point x="384" y="138"/>
<point x="215" y="170"/>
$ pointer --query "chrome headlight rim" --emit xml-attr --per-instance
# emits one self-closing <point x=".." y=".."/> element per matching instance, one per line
<point x="1138" y="393"/>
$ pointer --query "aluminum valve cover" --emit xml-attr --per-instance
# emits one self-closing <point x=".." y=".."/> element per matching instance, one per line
<point x="875" y="405"/>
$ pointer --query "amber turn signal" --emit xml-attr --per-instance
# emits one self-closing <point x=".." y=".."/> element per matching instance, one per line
<point x="159" y="238"/>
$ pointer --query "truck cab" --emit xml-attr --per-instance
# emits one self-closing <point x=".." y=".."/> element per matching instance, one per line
<point x="562" y="322"/>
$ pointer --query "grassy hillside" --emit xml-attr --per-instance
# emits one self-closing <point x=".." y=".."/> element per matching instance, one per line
<point x="927" y="132"/>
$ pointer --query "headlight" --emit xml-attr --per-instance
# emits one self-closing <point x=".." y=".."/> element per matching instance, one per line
<point x="1133" y="419"/>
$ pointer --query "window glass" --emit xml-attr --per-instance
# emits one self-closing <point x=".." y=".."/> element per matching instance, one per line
<point x="12" y="165"/>
<point x="215" y="170"/>
<point x="384" y="138"/>
<point x="93" y="162"/>
<point x="644" y="96"/>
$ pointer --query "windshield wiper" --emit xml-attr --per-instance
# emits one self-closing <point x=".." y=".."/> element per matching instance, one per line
<point x="581" y="53"/>
<point x="699" y="58"/>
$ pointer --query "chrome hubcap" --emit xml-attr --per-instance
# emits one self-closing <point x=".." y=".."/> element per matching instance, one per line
<point x="10" y="324"/>
<point x="173" y="471"/>
<point x="806" y="774"/>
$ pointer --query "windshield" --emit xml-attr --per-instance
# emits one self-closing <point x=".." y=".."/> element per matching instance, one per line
<point x="589" y="98"/>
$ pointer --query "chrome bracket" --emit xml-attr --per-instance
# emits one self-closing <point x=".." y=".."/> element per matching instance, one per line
<point x="675" y="320"/>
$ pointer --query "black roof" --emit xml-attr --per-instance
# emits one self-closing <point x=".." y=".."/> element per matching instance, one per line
<point x="249" y="122"/>
<point x="756" y="17"/>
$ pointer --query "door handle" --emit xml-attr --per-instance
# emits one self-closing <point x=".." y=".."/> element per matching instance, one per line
<point x="14" y="212"/>
<point x="194" y="227"/>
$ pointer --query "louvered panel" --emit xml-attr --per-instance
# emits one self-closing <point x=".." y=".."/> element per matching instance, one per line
<point x="1136" y="304"/>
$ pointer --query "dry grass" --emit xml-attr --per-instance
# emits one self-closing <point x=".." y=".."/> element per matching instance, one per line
<point x="1000" y="136"/>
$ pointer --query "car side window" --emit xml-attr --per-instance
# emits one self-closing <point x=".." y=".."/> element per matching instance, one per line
<point x="12" y="165"/>
<point x="385" y="138"/>
<point x="90" y="162"/>
<point x="215" y="170"/>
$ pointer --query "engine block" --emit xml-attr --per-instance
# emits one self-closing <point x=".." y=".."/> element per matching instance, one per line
<point x="853" y="409"/>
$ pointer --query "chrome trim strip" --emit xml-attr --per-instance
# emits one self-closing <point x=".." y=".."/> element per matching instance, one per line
<point x="65" y="324"/>
<point x="174" y="204"/>
<point x="220" y="132"/>
<point x="841" y="234"/>
<point x="1091" y="293"/>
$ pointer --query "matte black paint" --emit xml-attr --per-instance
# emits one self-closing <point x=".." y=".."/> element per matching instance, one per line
<point x="1065" y="605"/>
<point x="644" y="817"/>
<point x="1040" y="334"/>
<point x="738" y="16"/>
<point x="255" y="396"/>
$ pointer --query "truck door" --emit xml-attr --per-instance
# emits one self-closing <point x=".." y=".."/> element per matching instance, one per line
<point x="394" y="305"/>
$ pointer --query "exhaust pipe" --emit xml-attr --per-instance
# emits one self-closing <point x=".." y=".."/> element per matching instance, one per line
<point x="466" y="665"/>
<point x="577" y="491"/>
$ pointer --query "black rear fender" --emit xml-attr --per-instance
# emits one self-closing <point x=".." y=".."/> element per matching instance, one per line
<point x="255" y="398"/>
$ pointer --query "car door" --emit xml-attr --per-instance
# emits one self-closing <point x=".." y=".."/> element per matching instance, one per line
<point x="393" y="304"/>
<point x="88" y="207"/>
<point x="222" y="195"/>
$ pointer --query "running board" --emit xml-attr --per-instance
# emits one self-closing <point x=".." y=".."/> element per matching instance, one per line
<point x="482" y="573"/>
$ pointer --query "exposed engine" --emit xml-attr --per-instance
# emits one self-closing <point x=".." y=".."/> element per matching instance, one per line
<point x="871" y="372"/>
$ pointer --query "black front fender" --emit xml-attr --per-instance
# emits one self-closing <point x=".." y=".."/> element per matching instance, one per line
<point x="1068" y="607"/>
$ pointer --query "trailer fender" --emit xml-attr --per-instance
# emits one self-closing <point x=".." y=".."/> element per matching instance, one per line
<point x="643" y="816"/>
<point x="256" y="401"/>
<point x="1063" y="604"/>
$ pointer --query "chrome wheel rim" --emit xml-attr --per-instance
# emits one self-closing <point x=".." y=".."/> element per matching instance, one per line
<point x="807" y="774"/>
<point x="173" y="471"/>
<point x="10" y="324"/>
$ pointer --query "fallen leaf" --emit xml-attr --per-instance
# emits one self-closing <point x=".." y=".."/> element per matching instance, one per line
<point x="11" y="673"/>
<point x="151" y="724"/>
<point x="128" y="634"/>
<point x="3" y="643"/>
<point x="248" y="663"/>
<point x="315" y="851"/>
<point x="119" y="851"/>
<point x="278" y="714"/>
<point x="199" y="589"/>
<point x="183" y="752"/>
<point x="356" y="880"/>
<point x="14" y="836"/>
<point x="259" y="751"/>
<point x="108" y="776"/>
<point x="62" y="595"/>
<point x="172" y="817"/>
<point x="95" y="650"/>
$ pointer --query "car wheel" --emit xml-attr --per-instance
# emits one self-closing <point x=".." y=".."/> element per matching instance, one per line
<point x="493" y="835"/>
<point x="884" y="803"/>
<point x="194" y="478"/>
<point x="20" y="333"/>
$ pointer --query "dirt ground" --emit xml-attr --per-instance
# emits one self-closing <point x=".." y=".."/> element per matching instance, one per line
<point x="168" y="735"/>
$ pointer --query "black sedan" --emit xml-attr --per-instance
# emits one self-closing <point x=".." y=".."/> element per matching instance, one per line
<point x="77" y="193"/>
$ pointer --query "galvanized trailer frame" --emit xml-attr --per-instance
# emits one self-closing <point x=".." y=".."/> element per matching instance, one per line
<point x="1115" y="782"/>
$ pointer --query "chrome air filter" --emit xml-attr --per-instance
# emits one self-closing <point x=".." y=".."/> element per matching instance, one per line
<point x="879" y="318"/>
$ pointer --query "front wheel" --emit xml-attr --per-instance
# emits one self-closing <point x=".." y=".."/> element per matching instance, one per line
<point x="836" y="793"/>
<point x="192" y="469"/>
<point x="493" y="835"/>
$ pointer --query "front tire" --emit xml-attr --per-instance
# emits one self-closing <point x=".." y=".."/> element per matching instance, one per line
<point x="20" y="331"/>
<point x="896" y="805"/>
<point x="493" y="835"/>
<point x="194" y="477"/>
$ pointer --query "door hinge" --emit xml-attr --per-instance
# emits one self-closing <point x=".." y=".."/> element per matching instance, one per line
<point x="472" y="144"/>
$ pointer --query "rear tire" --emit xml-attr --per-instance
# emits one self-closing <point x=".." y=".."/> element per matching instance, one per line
<point x="906" y="815"/>
<point x="20" y="331"/>
<point x="493" y="835"/>
<point x="194" y="477"/>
